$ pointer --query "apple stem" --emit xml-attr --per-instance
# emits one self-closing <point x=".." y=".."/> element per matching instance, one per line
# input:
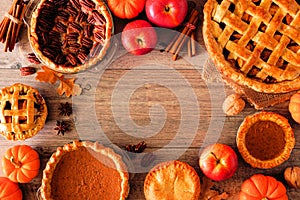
<point x="167" y="8"/>
<point x="218" y="160"/>
<point x="140" y="42"/>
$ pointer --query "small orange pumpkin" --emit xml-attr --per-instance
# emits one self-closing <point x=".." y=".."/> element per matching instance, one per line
<point x="259" y="187"/>
<point x="294" y="107"/>
<point x="21" y="163"/>
<point x="9" y="190"/>
<point x="126" y="9"/>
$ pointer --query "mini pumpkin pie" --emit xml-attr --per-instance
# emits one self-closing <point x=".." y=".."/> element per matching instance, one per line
<point x="255" y="43"/>
<point x="23" y="112"/>
<point x="265" y="139"/>
<point x="85" y="170"/>
<point x="172" y="180"/>
<point x="70" y="35"/>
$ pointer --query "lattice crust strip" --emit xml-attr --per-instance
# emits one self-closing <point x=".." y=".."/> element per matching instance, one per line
<point x="23" y="112"/>
<point x="260" y="38"/>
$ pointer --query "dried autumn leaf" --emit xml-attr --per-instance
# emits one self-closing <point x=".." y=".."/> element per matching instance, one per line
<point x="207" y="193"/>
<point x="66" y="85"/>
<point x="48" y="75"/>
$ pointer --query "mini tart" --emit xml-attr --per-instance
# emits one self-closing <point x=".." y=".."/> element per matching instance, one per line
<point x="255" y="43"/>
<point x="85" y="170"/>
<point x="69" y="36"/>
<point x="172" y="180"/>
<point x="23" y="112"/>
<point x="265" y="139"/>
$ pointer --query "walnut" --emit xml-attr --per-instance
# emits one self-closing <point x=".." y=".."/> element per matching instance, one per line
<point x="233" y="104"/>
<point x="292" y="176"/>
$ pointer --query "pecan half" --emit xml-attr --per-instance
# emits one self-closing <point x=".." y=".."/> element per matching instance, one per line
<point x="61" y="27"/>
<point x="25" y="71"/>
<point x="98" y="17"/>
<point x="60" y="3"/>
<point x="72" y="59"/>
<point x="33" y="59"/>
<point x="82" y="57"/>
<point x="76" y="4"/>
<point x="99" y="37"/>
<point x="88" y="30"/>
<point x="88" y="5"/>
<point x="72" y="10"/>
<point x="62" y="15"/>
<point x="96" y="49"/>
<point x="75" y="27"/>
<point x="91" y="19"/>
<point x="60" y="59"/>
<point x="50" y="53"/>
<point x="87" y="42"/>
<point x="81" y="17"/>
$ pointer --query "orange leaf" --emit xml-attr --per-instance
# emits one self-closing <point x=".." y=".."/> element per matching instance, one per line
<point x="67" y="87"/>
<point x="48" y="75"/>
<point x="208" y="193"/>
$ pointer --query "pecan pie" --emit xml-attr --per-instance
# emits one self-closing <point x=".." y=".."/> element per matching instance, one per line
<point x="265" y="139"/>
<point x="85" y="170"/>
<point x="172" y="180"/>
<point x="70" y="35"/>
<point x="23" y="112"/>
<point x="255" y="43"/>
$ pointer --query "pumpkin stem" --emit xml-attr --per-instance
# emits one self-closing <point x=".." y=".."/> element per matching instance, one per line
<point x="16" y="163"/>
<point x="265" y="198"/>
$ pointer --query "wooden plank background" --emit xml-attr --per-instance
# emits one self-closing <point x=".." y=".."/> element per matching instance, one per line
<point x="100" y="114"/>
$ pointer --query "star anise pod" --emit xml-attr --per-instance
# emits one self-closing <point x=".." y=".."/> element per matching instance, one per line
<point x="136" y="148"/>
<point x="65" y="109"/>
<point x="61" y="127"/>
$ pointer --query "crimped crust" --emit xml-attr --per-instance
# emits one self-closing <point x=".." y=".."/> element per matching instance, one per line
<point x="288" y="137"/>
<point x="172" y="180"/>
<point x="94" y="146"/>
<point x="215" y="51"/>
<point x="33" y="117"/>
<point x="102" y="8"/>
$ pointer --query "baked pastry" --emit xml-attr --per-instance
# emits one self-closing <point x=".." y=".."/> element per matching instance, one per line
<point x="255" y="43"/>
<point x="172" y="180"/>
<point x="23" y="112"/>
<point x="265" y="139"/>
<point x="70" y="35"/>
<point x="85" y="170"/>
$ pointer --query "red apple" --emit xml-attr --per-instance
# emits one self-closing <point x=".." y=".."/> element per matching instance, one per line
<point x="166" y="13"/>
<point x="139" y="37"/>
<point x="218" y="162"/>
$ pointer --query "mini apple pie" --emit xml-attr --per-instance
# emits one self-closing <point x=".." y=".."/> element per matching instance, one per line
<point x="23" y="112"/>
<point x="85" y="170"/>
<point x="255" y="42"/>
<point x="172" y="180"/>
<point x="70" y="35"/>
<point x="265" y="139"/>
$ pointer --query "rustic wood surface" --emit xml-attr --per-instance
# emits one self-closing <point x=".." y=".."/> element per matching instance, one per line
<point x="147" y="98"/>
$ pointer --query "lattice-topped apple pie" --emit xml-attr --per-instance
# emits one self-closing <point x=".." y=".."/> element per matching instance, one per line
<point x="23" y="112"/>
<point x="70" y="35"/>
<point x="255" y="43"/>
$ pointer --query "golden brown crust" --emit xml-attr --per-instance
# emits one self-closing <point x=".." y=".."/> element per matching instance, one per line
<point x="23" y="112"/>
<point x="101" y="8"/>
<point x="288" y="137"/>
<point x="172" y="180"/>
<point x="288" y="80"/>
<point x="95" y="146"/>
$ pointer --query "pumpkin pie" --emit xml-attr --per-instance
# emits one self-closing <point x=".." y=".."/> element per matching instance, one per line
<point x="172" y="180"/>
<point x="265" y="139"/>
<point x="70" y="35"/>
<point x="23" y="112"/>
<point x="85" y="170"/>
<point x="255" y="43"/>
